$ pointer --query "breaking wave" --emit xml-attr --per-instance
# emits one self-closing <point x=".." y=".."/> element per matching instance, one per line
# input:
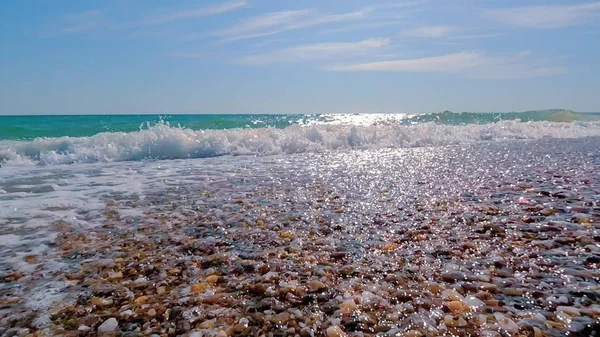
<point x="163" y="141"/>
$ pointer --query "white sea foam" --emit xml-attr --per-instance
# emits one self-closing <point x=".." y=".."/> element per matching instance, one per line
<point x="163" y="141"/>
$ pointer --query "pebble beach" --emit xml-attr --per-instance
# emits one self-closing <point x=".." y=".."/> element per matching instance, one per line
<point x="490" y="239"/>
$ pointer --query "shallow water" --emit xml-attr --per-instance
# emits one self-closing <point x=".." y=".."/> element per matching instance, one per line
<point x="374" y="196"/>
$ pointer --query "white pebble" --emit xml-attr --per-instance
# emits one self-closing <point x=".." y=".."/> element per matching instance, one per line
<point x="84" y="328"/>
<point x="473" y="302"/>
<point x="506" y="323"/>
<point x="335" y="331"/>
<point x="569" y="310"/>
<point x="110" y="325"/>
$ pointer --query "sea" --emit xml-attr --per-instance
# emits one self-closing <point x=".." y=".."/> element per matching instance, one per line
<point x="55" y="140"/>
<point x="100" y="175"/>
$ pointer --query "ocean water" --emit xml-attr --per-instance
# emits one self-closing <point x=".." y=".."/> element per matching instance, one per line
<point x="51" y="140"/>
<point x="83" y="170"/>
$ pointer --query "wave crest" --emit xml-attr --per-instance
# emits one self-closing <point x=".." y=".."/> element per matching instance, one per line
<point x="162" y="141"/>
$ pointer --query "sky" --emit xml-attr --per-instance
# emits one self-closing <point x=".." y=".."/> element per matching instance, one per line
<point x="301" y="56"/>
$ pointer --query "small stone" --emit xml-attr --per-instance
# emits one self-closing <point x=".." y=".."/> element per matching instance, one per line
<point x="287" y="235"/>
<point x="451" y="295"/>
<point x="593" y="259"/>
<point x="151" y="312"/>
<point x="99" y="301"/>
<point x="506" y="323"/>
<point x="571" y="311"/>
<point x="110" y="325"/>
<point x="454" y="276"/>
<point x="141" y="300"/>
<point x="306" y="332"/>
<point x="457" y="307"/>
<point x="174" y="271"/>
<point x="330" y="307"/>
<point x="504" y="273"/>
<point x="337" y="256"/>
<point x="208" y="324"/>
<point x="281" y="318"/>
<point x="489" y="287"/>
<point x="434" y="288"/>
<point x="553" y="300"/>
<point x="259" y="288"/>
<point x="127" y="313"/>
<point x="335" y="331"/>
<point x="473" y="302"/>
<point x="413" y="333"/>
<point x="493" y="303"/>
<point x="161" y="290"/>
<point x="548" y="211"/>
<point x="316" y="286"/>
<point x="483" y="278"/>
<point x="114" y="276"/>
<point x="389" y="247"/>
<point x="84" y="328"/>
<point x="348" y="306"/>
<point x="582" y="219"/>
<point x="212" y="279"/>
<point x="512" y="292"/>
<point x="454" y="321"/>
<point x="198" y="288"/>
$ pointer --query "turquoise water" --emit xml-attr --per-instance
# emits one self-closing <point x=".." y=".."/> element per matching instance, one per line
<point x="57" y="140"/>
<point x="30" y="127"/>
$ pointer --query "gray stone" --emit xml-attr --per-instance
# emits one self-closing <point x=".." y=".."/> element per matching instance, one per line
<point x="110" y="325"/>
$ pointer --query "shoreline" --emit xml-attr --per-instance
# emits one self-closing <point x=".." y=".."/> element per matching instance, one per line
<point x="477" y="243"/>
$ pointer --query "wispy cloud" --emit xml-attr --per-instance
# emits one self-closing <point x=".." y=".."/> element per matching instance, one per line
<point x="194" y="13"/>
<point x="548" y="16"/>
<point x="449" y="34"/>
<point x="277" y="22"/>
<point x="470" y="64"/>
<point x="191" y="55"/>
<point x="401" y="4"/>
<point x="431" y="31"/>
<point x="445" y="63"/>
<point x="476" y="36"/>
<point x="317" y="51"/>
<point x="80" y="22"/>
<point x="97" y="20"/>
<point x="361" y="27"/>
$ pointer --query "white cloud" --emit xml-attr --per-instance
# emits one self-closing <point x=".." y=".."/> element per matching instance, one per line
<point x="405" y="4"/>
<point x="80" y="22"/>
<point x="195" y="13"/>
<point x="277" y="22"/>
<point x="96" y="20"/>
<point x="317" y="51"/>
<point x="360" y="27"/>
<point x="476" y="36"/>
<point x="470" y="64"/>
<point x="515" y="71"/>
<point x="192" y="55"/>
<point x="444" y="63"/>
<point x="448" y="33"/>
<point x="431" y="31"/>
<point x="549" y="16"/>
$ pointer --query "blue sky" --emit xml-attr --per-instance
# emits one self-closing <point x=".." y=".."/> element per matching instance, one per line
<point x="283" y="56"/>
